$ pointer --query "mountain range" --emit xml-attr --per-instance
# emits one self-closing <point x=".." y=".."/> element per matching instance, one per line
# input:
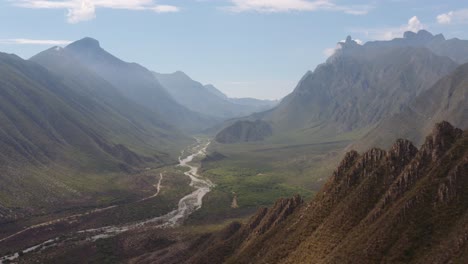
<point x="360" y="85"/>
<point x="207" y="99"/>
<point x="138" y="84"/>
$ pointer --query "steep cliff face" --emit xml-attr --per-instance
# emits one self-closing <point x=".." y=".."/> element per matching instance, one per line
<point x="401" y="205"/>
<point x="446" y="100"/>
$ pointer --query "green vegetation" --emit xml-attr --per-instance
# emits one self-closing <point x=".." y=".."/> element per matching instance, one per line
<point x="260" y="173"/>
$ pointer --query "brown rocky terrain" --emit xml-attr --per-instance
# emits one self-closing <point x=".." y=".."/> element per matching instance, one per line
<point x="403" y="205"/>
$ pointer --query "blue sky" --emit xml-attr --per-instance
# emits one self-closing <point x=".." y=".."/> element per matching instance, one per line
<point x="255" y="48"/>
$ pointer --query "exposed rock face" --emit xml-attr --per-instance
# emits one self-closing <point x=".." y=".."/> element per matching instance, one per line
<point x="244" y="131"/>
<point x="446" y="100"/>
<point x="395" y="206"/>
<point x="441" y="139"/>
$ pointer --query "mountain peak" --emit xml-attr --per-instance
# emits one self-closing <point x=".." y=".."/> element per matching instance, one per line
<point x="348" y="43"/>
<point x="85" y="43"/>
<point x="441" y="139"/>
<point x="402" y="149"/>
<point x="444" y="131"/>
<point x="420" y="35"/>
<point x="181" y="74"/>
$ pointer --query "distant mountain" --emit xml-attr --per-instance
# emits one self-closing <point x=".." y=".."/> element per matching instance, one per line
<point x="138" y="84"/>
<point x="60" y="129"/>
<point x="403" y="205"/>
<point x="207" y="99"/>
<point x="94" y="89"/>
<point x="257" y="105"/>
<point x="446" y="100"/>
<point x="359" y="86"/>
<point x="245" y="131"/>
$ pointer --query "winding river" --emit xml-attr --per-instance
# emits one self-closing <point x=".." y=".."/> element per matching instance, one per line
<point x="186" y="206"/>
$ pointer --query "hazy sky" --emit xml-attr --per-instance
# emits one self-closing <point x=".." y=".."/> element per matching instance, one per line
<point x="255" y="48"/>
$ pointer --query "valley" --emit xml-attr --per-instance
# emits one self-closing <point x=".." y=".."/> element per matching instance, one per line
<point x="274" y="144"/>
<point x="185" y="206"/>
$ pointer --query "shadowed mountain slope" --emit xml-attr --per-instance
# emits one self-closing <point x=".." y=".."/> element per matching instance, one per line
<point x="142" y="123"/>
<point x="446" y="100"/>
<point x="138" y="84"/>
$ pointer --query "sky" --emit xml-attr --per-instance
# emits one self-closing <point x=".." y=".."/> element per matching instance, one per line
<point x="246" y="48"/>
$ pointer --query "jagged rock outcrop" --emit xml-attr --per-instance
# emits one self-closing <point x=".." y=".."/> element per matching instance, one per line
<point x="395" y="206"/>
<point x="235" y="237"/>
<point x="244" y="131"/>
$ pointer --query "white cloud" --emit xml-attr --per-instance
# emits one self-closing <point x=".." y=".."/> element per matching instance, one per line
<point x="83" y="10"/>
<point x="24" y="41"/>
<point x="275" y="6"/>
<point x="328" y="52"/>
<point x="414" y="25"/>
<point x="388" y="33"/>
<point x="456" y="17"/>
<point x="445" y="18"/>
<point x="358" y="41"/>
<point x="165" y="9"/>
